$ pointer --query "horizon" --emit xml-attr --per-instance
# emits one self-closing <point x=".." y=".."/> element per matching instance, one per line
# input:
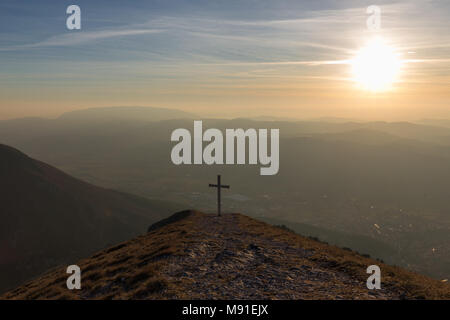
<point x="256" y="117"/>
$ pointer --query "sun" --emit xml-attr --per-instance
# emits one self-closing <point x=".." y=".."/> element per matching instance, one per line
<point x="376" y="66"/>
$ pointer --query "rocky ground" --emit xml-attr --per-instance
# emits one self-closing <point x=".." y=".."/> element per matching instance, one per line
<point x="201" y="256"/>
<point x="232" y="263"/>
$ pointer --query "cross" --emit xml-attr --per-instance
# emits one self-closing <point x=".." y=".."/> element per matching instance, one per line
<point x="219" y="186"/>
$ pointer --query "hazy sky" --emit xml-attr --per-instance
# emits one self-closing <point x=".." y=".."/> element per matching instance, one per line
<point x="221" y="58"/>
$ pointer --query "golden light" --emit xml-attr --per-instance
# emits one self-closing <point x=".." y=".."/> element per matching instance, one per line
<point x="376" y="66"/>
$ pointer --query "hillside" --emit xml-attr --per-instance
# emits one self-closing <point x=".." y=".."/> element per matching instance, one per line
<point x="48" y="217"/>
<point x="193" y="255"/>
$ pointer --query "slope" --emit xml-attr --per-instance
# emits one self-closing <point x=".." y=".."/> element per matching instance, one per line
<point x="193" y="255"/>
<point x="48" y="217"/>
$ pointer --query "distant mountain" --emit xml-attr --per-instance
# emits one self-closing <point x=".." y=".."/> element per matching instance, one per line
<point x="272" y="118"/>
<point x="48" y="217"/>
<point x="107" y="114"/>
<point x="334" y="120"/>
<point x="192" y="255"/>
<point x="435" y="122"/>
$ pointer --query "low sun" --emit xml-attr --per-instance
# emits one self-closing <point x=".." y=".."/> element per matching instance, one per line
<point x="376" y="66"/>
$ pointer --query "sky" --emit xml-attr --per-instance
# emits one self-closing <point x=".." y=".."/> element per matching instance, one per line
<point x="221" y="58"/>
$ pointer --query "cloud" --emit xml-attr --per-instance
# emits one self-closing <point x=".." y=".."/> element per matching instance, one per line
<point x="281" y="63"/>
<point x="81" y="37"/>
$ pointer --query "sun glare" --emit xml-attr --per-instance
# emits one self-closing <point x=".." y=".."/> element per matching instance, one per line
<point x="376" y="66"/>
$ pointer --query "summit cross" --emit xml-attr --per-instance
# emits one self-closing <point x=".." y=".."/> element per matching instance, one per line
<point x="219" y="186"/>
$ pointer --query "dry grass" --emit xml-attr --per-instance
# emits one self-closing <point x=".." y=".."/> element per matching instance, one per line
<point x="138" y="269"/>
<point x="409" y="285"/>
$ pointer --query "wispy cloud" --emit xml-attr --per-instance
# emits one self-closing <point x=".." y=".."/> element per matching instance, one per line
<point x="82" y="37"/>
<point x="281" y="63"/>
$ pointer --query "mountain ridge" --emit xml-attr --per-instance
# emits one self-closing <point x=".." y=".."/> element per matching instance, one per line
<point x="193" y="255"/>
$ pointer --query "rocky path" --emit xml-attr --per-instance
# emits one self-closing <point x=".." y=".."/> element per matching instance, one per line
<point x="230" y="263"/>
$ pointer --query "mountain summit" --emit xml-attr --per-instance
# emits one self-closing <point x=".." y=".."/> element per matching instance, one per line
<point x="192" y="255"/>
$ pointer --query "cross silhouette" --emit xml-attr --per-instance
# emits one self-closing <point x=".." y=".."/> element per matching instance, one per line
<point x="219" y="186"/>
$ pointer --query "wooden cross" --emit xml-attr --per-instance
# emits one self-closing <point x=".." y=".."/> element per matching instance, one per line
<point x="218" y="186"/>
